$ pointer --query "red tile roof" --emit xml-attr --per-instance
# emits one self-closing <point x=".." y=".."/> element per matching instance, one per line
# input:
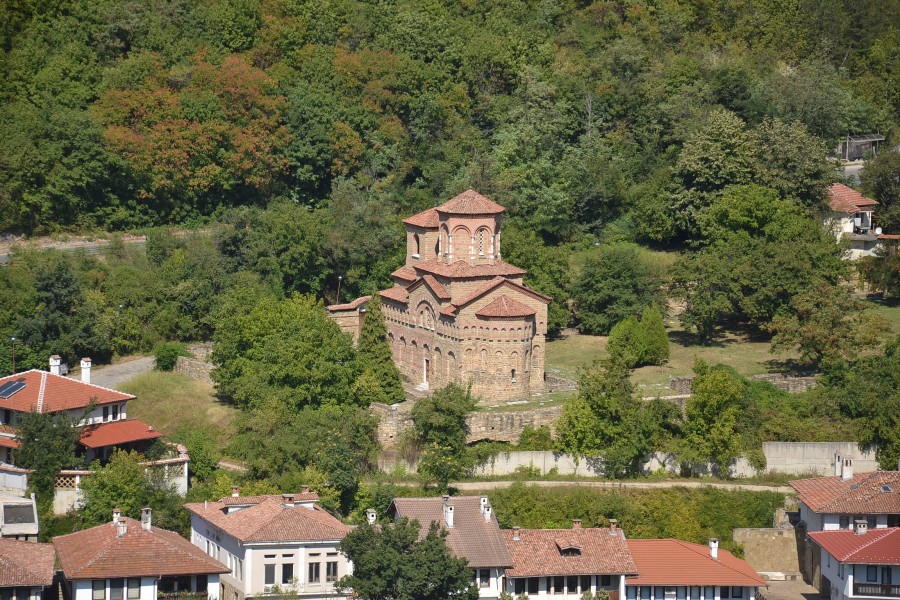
<point x="470" y="202"/>
<point x="847" y="200"/>
<point x="471" y="537"/>
<point x="49" y="393"/>
<point x="250" y="500"/>
<point x="427" y="219"/>
<point x="674" y="562"/>
<point x="349" y="305"/>
<point x="6" y="442"/>
<point x="439" y="290"/>
<point x="396" y="293"/>
<point x="405" y="273"/>
<point x="26" y="563"/>
<point x="460" y="269"/>
<point x="495" y="283"/>
<point x="504" y="307"/>
<point x="9" y="430"/>
<point x="878" y="546"/>
<point x="865" y="493"/>
<point x="269" y="520"/>
<point x="117" y="432"/>
<point x="538" y="552"/>
<point x="98" y="553"/>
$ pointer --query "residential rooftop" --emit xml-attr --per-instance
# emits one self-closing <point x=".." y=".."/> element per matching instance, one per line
<point x="864" y="493"/>
<point x="875" y="546"/>
<point x="675" y="562"/>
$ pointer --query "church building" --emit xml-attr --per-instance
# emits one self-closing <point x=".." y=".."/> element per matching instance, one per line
<point x="457" y="312"/>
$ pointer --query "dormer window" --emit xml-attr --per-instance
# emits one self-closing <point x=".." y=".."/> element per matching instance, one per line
<point x="568" y="548"/>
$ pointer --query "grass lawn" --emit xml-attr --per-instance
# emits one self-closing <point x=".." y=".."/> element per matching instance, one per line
<point x="169" y="401"/>
<point x="749" y="356"/>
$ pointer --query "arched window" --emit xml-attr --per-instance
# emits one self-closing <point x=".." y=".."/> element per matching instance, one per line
<point x="481" y="242"/>
<point x="416" y="244"/>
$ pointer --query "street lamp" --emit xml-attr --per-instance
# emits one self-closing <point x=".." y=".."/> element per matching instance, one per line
<point x="340" y="279"/>
<point x="13" y="340"/>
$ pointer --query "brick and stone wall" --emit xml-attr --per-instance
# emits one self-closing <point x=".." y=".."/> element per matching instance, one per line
<point x="193" y="368"/>
<point x="788" y="383"/>
<point x="770" y="550"/>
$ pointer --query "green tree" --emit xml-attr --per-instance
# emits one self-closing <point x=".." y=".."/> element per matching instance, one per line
<point x="656" y="339"/>
<point x="440" y="427"/>
<point x="614" y="285"/>
<point x="881" y="272"/>
<point x="627" y="343"/>
<point x="390" y="562"/>
<point x="375" y="360"/>
<point x="827" y="324"/>
<point x="48" y="444"/>
<point x="711" y="417"/>
<point x="881" y="180"/>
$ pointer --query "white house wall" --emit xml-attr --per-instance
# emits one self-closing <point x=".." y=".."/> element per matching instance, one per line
<point x="545" y="589"/>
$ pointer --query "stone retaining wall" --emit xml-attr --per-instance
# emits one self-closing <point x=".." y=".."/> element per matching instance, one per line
<point x="770" y="550"/>
<point x="194" y="368"/>
<point x="788" y="383"/>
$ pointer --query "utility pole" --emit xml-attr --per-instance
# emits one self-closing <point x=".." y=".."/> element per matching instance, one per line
<point x="13" y="355"/>
<point x="338" y="298"/>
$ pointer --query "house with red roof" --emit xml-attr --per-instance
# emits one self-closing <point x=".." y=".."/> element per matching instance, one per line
<point x="568" y="562"/>
<point x="850" y="218"/>
<point x="860" y="562"/>
<point x="836" y="502"/>
<point x="27" y="570"/>
<point x="127" y="559"/>
<point x="271" y="544"/>
<point x="677" y="570"/>
<point x="457" y="312"/>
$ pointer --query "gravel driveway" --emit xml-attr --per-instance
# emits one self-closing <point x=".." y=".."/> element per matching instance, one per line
<point x="112" y="376"/>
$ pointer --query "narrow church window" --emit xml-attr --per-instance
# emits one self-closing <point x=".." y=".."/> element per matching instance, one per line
<point x="513" y="375"/>
<point x="416" y="243"/>
<point x="481" y="242"/>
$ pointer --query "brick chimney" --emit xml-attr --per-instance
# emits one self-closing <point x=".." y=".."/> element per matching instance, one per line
<point x="613" y="525"/>
<point x="288" y="500"/>
<point x="448" y="512"/>
<point x="516" y="536"/>
<point x="483" y="503"/>
<point x="86" y="369"/>
<point x="487" y="513"/>
<point x="304" y="489"/>
<point x="146" y="519"/>
<point x="55" y="364"/>
<point x="235" y="491"/>
<point x="847" y="469"/>
<point x="121" y="529"/>
<point x="860" y="526"/>
<point x="714" y="548"/>
<point x="838" y="464"/>
<point x="371" y="516"/>
<point x="576" y="523"/>
<point x="116" y="514"/>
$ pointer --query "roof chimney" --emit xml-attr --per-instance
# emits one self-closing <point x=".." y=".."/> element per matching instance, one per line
<point x="576" y="523"/>
<point x="304" y="489"/>
<point x="235" y="491"/>
<point x="116" y="514"/>
<point x="288" y="500"/>
<point x="86" y="369"/>
<point x="838" y="464"/>
<point x="55" y="362"/>
<point x="516" y="537"/>
<point x="613" y="525"/>
<point x="146" y="521"/>
<point x="847" y="469"/>
<point x="484" y="503"/>
<point x="487" y="514"/>
<point x="714" y="548"/>
<point x="860" y="526"/>
<point x="121" y="528"/>
<point x="448" y="512"/>
<point x="371" y="516"/>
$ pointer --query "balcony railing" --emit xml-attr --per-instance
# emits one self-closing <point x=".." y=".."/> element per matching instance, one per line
<point x="876" y="589"/>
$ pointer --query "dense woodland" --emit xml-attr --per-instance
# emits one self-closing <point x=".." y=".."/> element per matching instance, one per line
<point x="646" y="150"/>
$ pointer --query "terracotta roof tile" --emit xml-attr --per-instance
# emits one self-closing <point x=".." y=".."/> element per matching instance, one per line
<point x="26" y="563"/>
<point x="349" y="305"/>
<point x="538" y="552"/>
<point x="470" y="202"/>
<point x="117" y="432"/>
<point x="439" y="290"/>
<point x="504" y="307"/>
<point x="847" y="200"/>
<point x="6" y="442"/>
<point x="59" y="393"/>
<point x="250" y="500"/>
<point x="471" y="537"/>
<point x="493" y="284"/>
<point x="9" y="430"/>
<point x="271" y="521"/>
<point x="396" y="293"/>
<point x="405" y="273"/>
<point x="98" y="553"/>
<point x="865" y="493"/>
<point x="460" y="269"/>
<point x="427" y="219"/>
<point x="878" y="546"/>
<point x="674" y="562"/>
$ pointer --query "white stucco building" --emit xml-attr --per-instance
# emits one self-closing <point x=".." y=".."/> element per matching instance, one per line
<point x="860" y="562"/>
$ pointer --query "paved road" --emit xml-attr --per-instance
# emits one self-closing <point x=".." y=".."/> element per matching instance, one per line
<point x="112" y="376"/>
<point x="470" y="486"/>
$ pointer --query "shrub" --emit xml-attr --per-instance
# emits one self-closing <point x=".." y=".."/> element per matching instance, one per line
<point x="656" y="339"/>
<point x="167" y="354"/>
<point x="636" y="343"/>
<point x="538" y="438"/>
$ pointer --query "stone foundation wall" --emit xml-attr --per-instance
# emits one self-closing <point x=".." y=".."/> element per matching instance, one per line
<point x="769" y="550"/>
<point x="788" y="383"/>
<point x="194" y="368"/>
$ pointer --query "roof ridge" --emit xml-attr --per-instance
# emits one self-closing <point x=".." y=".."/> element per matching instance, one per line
<point x="877" y="538"/>
<point x="43" y="387"/>
<point x="695" y="548"/>
<point x="99" y="387"/>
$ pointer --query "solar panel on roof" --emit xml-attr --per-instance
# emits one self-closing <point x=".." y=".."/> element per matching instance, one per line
<point x="11" y="387"/>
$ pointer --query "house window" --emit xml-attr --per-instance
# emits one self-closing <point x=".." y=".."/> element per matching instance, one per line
<point x="606" y="581"/>
<point x="630" y="593"/>
<point x="871" y="573"/>
<point x="287" y="573"/>
<point x="116" y="589"/>
<point x="134" y="588"/>
<point x="737" y="592"/>
<point x="871" y="521"/>
<point x="484" y="578"/>
<point x="534" y="585"/>
<point x="723" y="592"/>
<point x="645" y="592"/>
<point x="710" y="592"/>
<point x="572" y="584"/>
<point x="658" y="593"/>
<point x="519" y="586"/>
<point x="844" y="522"/>
<point x="106" y="413"/>
<point x="681" y="593"/>
<point x="98" y="589"/>
<point x="331" y="571"/>
<point x="841" y="571"/>
<point x="695" y="592"/>
<point x="115" y="412"/>
<point x="314" y="576"/>
<point x="585" y="583"/>
<point x="559" y="585"/>
<point x="269" y="574"/>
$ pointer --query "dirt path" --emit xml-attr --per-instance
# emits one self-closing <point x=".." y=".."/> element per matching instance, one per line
<point x="471" y="486"/>
<point x="112" y="376"/>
